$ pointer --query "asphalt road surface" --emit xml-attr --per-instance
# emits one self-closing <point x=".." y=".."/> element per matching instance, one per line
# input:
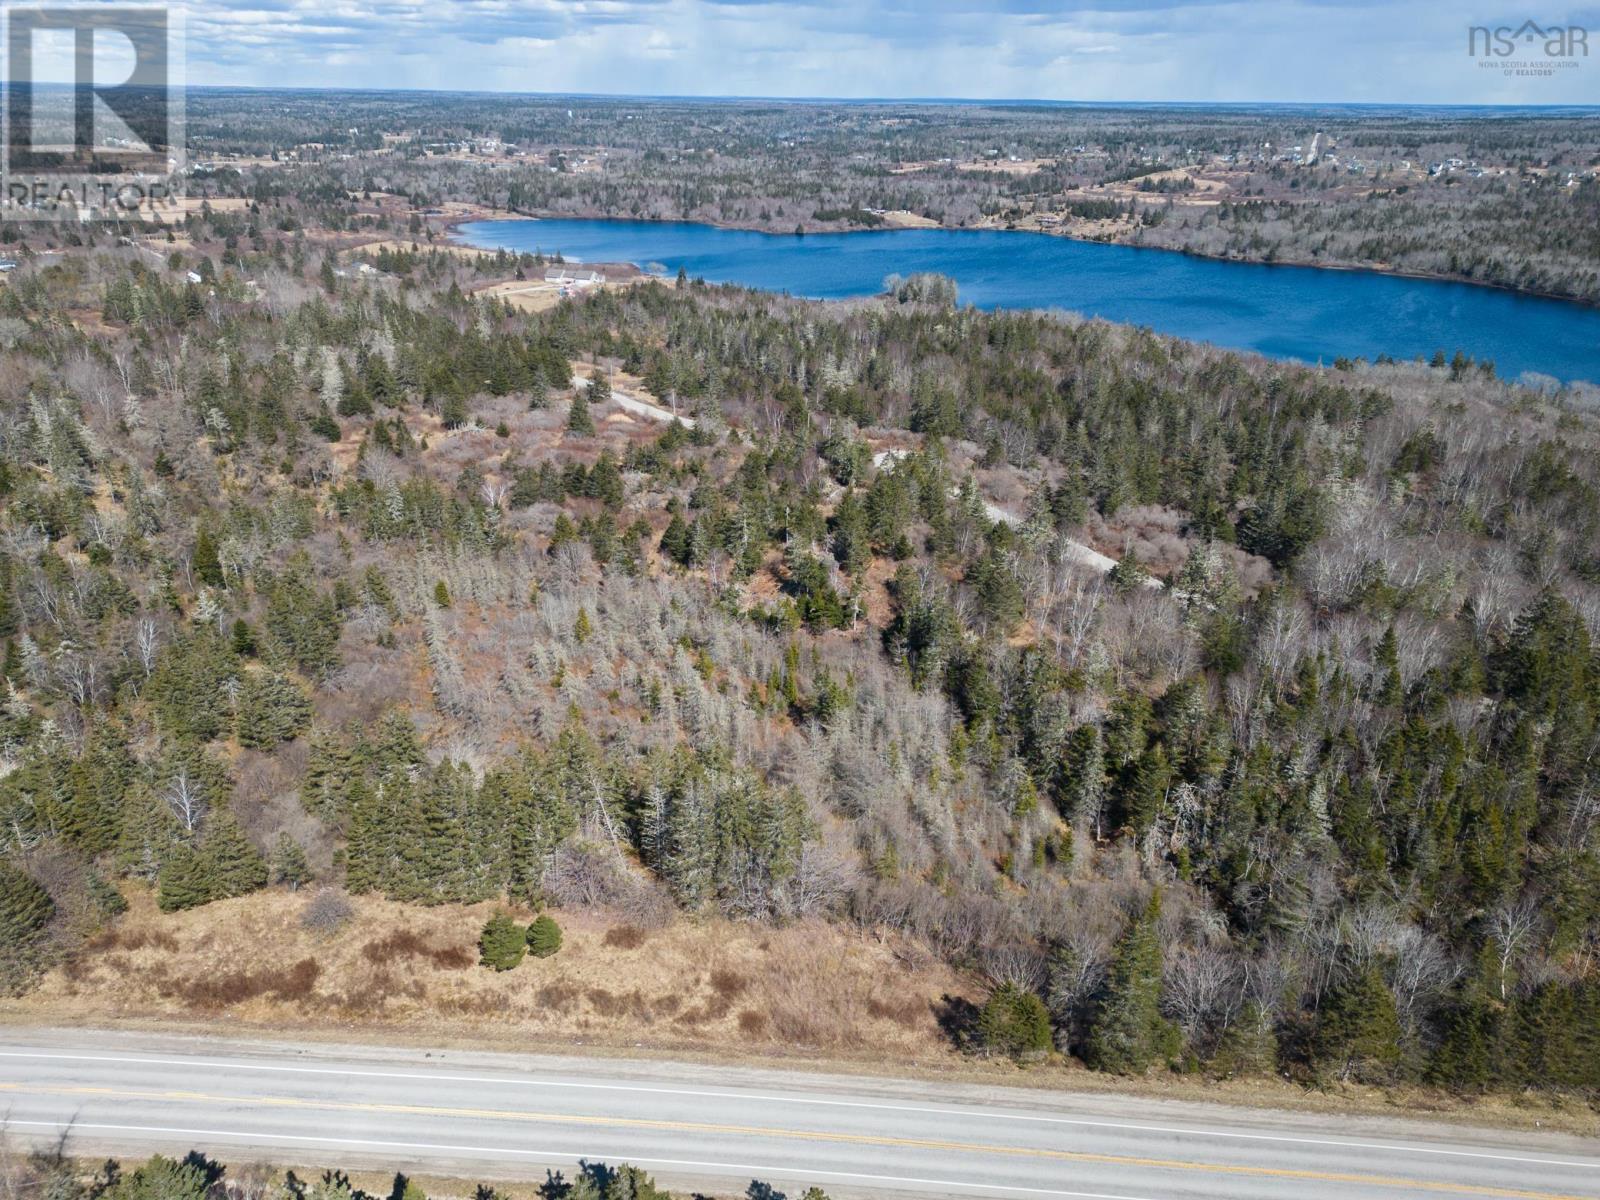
<point x="484" y="1116"/>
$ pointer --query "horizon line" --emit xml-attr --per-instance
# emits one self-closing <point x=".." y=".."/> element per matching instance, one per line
<point x="1010" y="102"/>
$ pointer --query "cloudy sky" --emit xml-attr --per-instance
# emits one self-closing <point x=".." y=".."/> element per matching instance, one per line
<point x="1288" y="50"/>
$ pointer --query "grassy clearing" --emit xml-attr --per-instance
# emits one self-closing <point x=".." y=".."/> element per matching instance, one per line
<point x="693" y="986"/>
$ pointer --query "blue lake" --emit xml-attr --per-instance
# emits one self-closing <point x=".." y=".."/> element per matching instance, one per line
<point x="1285" y="312"/>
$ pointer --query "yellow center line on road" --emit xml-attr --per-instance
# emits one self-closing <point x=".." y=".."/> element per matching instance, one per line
<point x="855" y="1139"/>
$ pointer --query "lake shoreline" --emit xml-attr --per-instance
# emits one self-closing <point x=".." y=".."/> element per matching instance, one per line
<point x="1304" y="312"/>
<point x="452" y="228"/>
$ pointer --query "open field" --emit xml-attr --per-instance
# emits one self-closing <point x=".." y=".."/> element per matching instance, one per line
<point x="536" y="295"/>
<point x="714" y="986"/>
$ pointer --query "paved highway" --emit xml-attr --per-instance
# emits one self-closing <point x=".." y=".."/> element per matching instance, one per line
<point x="509" y="1117"/>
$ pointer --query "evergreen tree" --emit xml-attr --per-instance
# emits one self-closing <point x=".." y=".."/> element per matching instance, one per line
<point x="544" y="936"/>
<point x="370" y="849"/>
<point x="289" y="867"/>
<point x="1127" y="1032"/>
<point x="394" y="746"/>
<point x="579" y="420"/>
<point x="1469" y="1032"/>
<point x="1358" y="1029"/>
<point x="243" y="639"/>
<point x="187" y="680"/>
<point x="502" y="943"/>
<point x="675" y="539"/>
<point x="538" y="389"/>
<point x="188" y="879"/>
<point x="100" y="779"/>
<point x="272" y="709"/>
<point x="332" y="765"/>
<point x="1248" y="1047"/>
<point x="303" y="624"/>
<point x="438" y="850"/>
<point x="1390" y="691"/>
<point x="207" y="564"/>
<point x="25" y="912"/>
<point x="222" y="864"/>
<point x="1014" y="1022"/>
<point x="164" y="1178"/>
<point x="238" y="866"/>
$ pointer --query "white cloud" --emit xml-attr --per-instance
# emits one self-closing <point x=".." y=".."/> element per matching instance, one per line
<point x="1291" y="50"/>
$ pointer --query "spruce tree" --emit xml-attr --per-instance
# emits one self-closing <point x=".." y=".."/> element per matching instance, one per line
<point x="1469" y="1032"/>
<point x="538" y="389"/>
<point x="502" y="943"/>
<point x="188" y="879"/>
<point x="1249" y="1047"/>
<point x="243" y="639"/>
<point x="1358" y="1029"/>
<point x="272" y="709"/>
<point x="675" y="539"/>
<point x="544" y="936"/>
<point x="1390" y="691"/>
<point x="579" y="420"/>
<point x="1014" y="1022"/>
<point x="331" y="767"/>
<point x="1127" y="1032"/>
<point x="437" y="849"/>
<point x="162" y="1178"/>
<point x="100" y="780"/>
<point x="236" y="865"/>
<point x="289" y="867"/>
<point x="368" y="850"/>
<point x="25" y="912"/>
<point x="394" y="745"/>
<point x="207" y="563"/>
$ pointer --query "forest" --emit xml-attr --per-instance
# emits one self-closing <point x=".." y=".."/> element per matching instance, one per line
<point x="1505" y="198"/>
<point x="371" y="583"/>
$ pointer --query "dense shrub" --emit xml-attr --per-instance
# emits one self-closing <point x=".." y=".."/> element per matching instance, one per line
<point x="544" y="937"/>
<point x="1014" y="1022"/>
<point x="502" y="943"/>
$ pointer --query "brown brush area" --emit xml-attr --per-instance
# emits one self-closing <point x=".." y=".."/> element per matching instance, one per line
<point x="278" y="960"/>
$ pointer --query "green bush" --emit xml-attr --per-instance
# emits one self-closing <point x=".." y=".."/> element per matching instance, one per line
<point x="544" y="937"/>
<point x="1015" y="1023"/>
<point x="502" y="943"/>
